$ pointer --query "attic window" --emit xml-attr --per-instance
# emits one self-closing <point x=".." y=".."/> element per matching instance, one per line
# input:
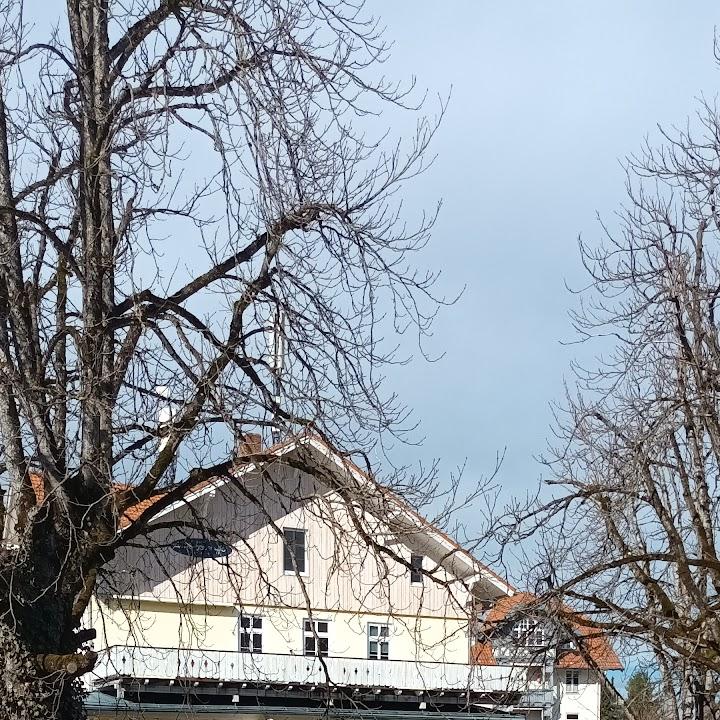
<point x="294" y="550"/>
<point x="416" y="563"/>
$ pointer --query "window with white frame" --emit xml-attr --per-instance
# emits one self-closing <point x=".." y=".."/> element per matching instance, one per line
<point x="316" y="636"/>
<point x="572" y="681"/>
<point x="251" y="633"/>
<point x="294" y="550"/>
<point x="416" y="563"/>
<point x="378" y="641"/>
<point x="528" y="633"/>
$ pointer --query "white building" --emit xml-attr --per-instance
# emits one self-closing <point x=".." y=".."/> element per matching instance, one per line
<point x="568" y="656"/>
<point x="321" y="594"/>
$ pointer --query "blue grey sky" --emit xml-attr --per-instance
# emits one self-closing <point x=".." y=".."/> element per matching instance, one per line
<point x="547" y="98"/>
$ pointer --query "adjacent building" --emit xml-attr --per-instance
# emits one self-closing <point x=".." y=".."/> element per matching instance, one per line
<point x="568" y="656"/>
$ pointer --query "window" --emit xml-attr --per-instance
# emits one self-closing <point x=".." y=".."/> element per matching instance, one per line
<point x="294" y="550"/>
<point x="572" y="681"/>
<point x="528" y="633"/>
<point x="250" y="633"/>
<point x="378" y="641"/>
<point x="416" y="563"/>
<point x="572" y="716"/>
<point x="315" y="637"/>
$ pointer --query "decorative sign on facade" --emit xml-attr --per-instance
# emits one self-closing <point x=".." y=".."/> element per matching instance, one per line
<point x="201" y="548"/>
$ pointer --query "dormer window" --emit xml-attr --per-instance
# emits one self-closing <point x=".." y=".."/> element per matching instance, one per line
<point x="416" y="563"/>
<point x="528" y="633"/>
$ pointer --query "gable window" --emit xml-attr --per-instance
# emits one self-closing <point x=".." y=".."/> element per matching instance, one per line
<point x="316" y="637"/>
<point x="416" y="563"/>
<point x="294" y="550"/>
<point x="528" y="633"/>
<point x="250" y="633"/>
<point x="572" y="681"/>
<point x="378" y="641"/>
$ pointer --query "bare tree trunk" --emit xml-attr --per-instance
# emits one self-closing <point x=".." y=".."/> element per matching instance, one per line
<point x="174" y="176"/>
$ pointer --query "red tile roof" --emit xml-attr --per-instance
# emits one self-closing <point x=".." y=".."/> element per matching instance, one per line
<point x="38" y="487"/>
<point x="482" y="654"/>
<point x="135" y="511"/>
<point x="129" y="516"/>
<point x="594" y="644"/>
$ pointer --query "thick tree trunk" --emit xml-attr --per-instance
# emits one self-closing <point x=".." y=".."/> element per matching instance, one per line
<point x="41" y="655"/>
<point x="85" y="340"/>
<point x="29" y="691"/>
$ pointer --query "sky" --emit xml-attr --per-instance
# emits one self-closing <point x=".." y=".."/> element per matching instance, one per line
<point x="547" y="98"/>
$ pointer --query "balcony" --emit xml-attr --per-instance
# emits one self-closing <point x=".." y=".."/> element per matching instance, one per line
<point x="536" y="699"/>
<point x="170" y="665"/>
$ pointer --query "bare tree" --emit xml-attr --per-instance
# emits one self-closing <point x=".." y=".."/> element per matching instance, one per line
<point x="180" y="179"/>
<point x="630" y="534"/>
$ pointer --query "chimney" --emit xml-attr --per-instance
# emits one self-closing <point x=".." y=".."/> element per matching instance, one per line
<point x="247" y="444"/>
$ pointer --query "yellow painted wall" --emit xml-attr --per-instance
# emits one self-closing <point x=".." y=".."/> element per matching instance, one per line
<point x="159" y="624"/>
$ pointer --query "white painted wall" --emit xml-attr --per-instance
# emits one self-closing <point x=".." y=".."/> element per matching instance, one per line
<point x="342" y="573"/>
<point x="585" y="703"/>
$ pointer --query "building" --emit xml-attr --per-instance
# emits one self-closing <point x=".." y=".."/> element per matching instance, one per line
<point x="557" y="649"/>
<point x="318" y="593"/>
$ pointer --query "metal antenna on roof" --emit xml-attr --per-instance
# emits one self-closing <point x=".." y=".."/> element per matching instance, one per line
<point x="165" y="414"/>
<point x="276" y="347"/>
